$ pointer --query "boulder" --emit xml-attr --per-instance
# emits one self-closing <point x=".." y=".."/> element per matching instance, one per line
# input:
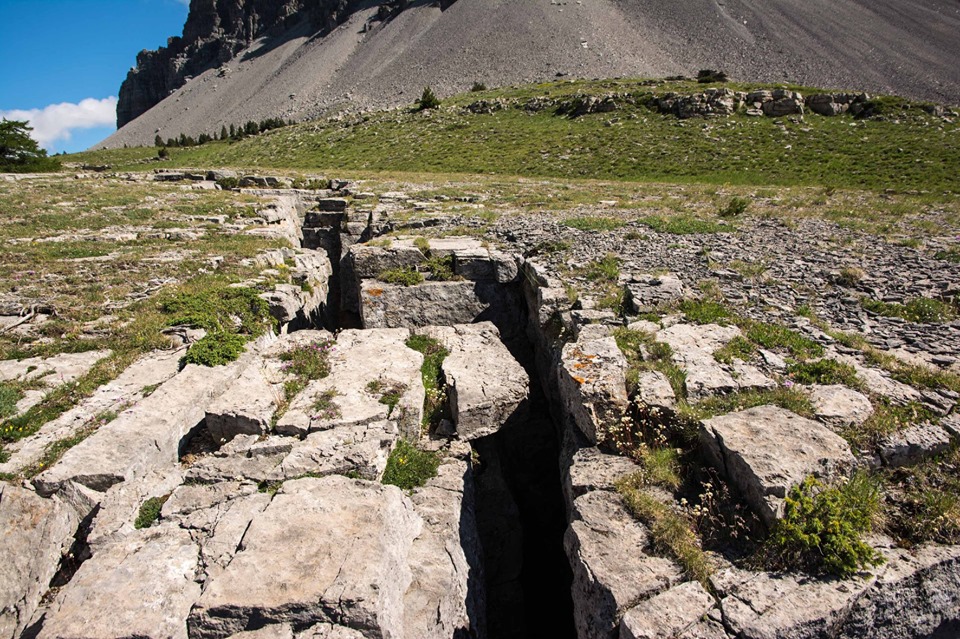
<point x="143" y="585"/>
<point x="341" y="548"/>
<point x="428" y="304"/>
<point x="485" y="384"/>
<point x="36" y="534"/>
<point x="767" y="450"/>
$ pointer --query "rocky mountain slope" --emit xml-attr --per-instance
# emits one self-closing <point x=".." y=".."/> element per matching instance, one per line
<point x="255" y="59"/>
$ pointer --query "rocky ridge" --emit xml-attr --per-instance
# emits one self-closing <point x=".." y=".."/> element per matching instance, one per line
<point x="257" y="59"/>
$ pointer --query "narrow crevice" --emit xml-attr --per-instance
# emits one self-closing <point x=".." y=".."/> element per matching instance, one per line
<point x="79" y="552"/>
<point x="521" y="520"/>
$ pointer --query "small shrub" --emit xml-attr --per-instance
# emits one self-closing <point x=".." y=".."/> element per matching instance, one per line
<point x="163" y="153"/>
<point x="948" y="255"/>
<point x="440" y="268"/>
<point x="824" y="371"/>
<point x="428" y="100"/>
<point x="734" y="208"/>
<point x="228" y="183"/>
<point x="821" y="527"/>
<point x="150" y="512"/>
<point x="423" y="244"/>
<point x="849" y="276"/>
<point x="215" y="349"/>
<point x="404" y="276"/>
<point x="389" y="393"/>
<point x="239" y="310"/>
<point x="308" y="362"/>
<point x="612" y="299"/>
<point x="431" y="371"/>
<point x="408" y="467"/>
<point x="477" y="87"/>
<point x="709" y="76"/>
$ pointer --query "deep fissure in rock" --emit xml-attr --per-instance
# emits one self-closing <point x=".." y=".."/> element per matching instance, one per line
<point x="519" y="507"/>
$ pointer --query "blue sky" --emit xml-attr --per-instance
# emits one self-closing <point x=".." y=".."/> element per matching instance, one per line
<point x="62" y="61"/>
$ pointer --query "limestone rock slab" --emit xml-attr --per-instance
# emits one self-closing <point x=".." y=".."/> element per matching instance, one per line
<point x="767" y="450"/>
<point x="358" y="359"/>
<point x="145" y="438"/>
<point x="840" y="406"/>
<point x="647" y="293"/>
<point x="592" y="384"/>
<point x="485" y="384"/>
<point x="611" y="572"/>
<point x="341" y="548"/>
<point x="245" y="408"/>
<point x="141" y="586"/>
<point x="915" y="444"/>
<point x="34" y="534"/>
<point x="427" y="304"/>
<point x="669" y="614"/>
<point x="361" y="449"/>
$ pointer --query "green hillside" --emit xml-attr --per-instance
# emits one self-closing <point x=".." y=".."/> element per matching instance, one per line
<point x="902" y="146"/>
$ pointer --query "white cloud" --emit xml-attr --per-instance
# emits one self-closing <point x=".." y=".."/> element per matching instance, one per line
<point x="56" y="122"/>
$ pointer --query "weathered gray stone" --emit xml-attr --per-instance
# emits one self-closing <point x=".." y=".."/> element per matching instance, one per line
<point x="915" y="444"/>
<point x="693" y="347"/>
<point x="669" y="614"/>
<point x="764" y="605"/>
<point x="611" y="572"/>
<point x="361" y="449"/>
<point x="647" y="293"/>
<point x="146" y="437"/>
<point x="34" y="534"/>
<point x="51" y="371"/>
<point x="767" y="450"/>
<point x="140" y="586"/>
<point x="445" y="597"/>
<point x="592" y="384"/>
<point x="116" y="396"/>
<point x="589" y="470"/>
<point x="917" y="594"/>
<point x="370" y="261"/>
<point x="485" y="384"/>
<point x="654" y="389"/>
<point x="428" y="304"/>
<point x="120" y="504"/>
<point x="330" y="631"/>
<point x="840" y="406"/>
<point x="340" y="546"/>
<point x="245" y="408"/>
<point x="358" y="360"/>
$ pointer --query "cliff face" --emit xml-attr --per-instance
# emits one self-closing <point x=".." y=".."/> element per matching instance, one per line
<point x="215" y="31"/>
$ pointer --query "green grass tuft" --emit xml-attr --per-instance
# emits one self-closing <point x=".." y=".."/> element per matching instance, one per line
<point x="824" y="371"/>
<point x="215" y="349"/>
<point x="593" y="223"/>
<point x="408" y="467"/>
<point x="404" y="276"/>
<point x="150" y="512"/>
<point x="922" y="310"/>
